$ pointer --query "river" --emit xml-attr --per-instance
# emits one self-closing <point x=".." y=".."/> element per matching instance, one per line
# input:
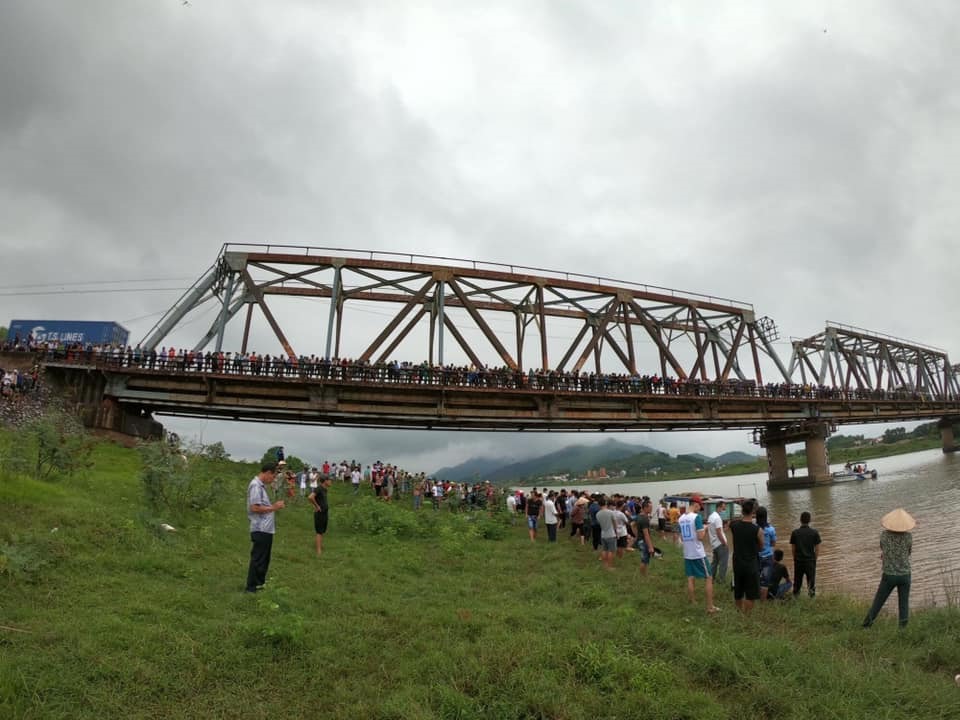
<point x="926" y="484"/>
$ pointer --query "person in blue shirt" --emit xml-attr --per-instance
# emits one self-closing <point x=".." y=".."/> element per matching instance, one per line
<point x="766" y="554"/>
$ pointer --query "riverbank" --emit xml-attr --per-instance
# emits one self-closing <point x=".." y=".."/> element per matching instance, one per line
<point x="104" y="615"/>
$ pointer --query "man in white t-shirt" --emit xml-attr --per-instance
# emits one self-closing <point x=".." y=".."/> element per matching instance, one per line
<point x="718" y="541"/>
<point x="620" y="523"/>
<point x="695" y="560"/>
<point x="355" y="479"/>
<point x="662" y="520"/>
<point x="550" y="516"/>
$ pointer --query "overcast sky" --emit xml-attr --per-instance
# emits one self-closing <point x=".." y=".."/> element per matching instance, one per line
<point x="804" y="157"/>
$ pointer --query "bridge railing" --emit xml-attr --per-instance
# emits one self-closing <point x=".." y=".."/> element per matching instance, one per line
<point x="411" y="374"/>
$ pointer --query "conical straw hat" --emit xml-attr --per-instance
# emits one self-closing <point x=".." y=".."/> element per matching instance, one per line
<point x="898" y="520"/>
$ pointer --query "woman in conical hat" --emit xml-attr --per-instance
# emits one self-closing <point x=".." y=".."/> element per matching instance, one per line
<point x="896" y="544"/>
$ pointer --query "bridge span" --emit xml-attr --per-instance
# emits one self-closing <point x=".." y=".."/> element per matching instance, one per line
<point x="608" y="356"/>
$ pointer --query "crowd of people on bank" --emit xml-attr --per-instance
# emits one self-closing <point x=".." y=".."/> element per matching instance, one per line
<point x="15" y="380"/>
<point x="615" y="525"/>
<point x="384" y="481"/>
<point x="22" y="395"/>
<point x="396" y="372"/>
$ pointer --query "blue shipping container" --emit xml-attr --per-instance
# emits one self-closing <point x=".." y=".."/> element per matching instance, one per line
<point x="69" y="332"/>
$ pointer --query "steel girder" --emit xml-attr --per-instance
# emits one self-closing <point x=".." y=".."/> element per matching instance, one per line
<point x="850" y="357"/>
<point x="620" y="326"/>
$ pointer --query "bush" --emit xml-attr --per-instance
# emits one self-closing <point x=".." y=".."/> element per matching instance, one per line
<point x="50" y="446"/>
<point x="276" y="624"/>
<point x="175" y="484"/>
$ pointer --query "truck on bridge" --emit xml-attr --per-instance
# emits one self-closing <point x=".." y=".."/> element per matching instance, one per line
<point x="67" y="332"/>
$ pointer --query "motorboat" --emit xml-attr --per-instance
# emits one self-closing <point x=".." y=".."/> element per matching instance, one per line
<point x="854" y="471"/>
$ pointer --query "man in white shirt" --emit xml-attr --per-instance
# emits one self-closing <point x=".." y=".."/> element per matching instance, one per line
<point x="718" y="541"/>
<point x="694" y="556"/>
<point x="355" y="479"/>
<point x="620" y="522"/>
<point x="550" y="516"/>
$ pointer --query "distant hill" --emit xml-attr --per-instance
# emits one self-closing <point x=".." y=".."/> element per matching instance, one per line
<point x="695" y="458"/>
<point x="571" y="459"/>
<point x="734" y="458"/>
<point x="613" y="455"/>
<point x="474" y="467"/>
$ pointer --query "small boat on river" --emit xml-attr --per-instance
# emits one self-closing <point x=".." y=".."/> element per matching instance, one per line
<point x="851" y="471"/>
<point x="709" y="504"/>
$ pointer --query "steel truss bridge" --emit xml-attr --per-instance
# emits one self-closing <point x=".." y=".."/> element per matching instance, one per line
<point x="581" y="353"/>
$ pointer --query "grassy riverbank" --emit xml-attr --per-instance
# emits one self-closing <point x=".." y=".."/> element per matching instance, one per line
<point x="104" y="616"/>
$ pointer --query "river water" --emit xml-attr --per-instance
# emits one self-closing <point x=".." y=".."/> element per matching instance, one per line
<point x="926" y="484"/>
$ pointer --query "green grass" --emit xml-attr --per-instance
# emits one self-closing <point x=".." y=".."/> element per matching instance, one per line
<point x="406" y="617"/>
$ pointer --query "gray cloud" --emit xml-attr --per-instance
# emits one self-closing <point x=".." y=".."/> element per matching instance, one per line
<point x="735" y="151"/>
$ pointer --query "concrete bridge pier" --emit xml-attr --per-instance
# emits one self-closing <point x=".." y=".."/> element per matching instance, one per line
<point x="813" y="434"/>
<point x="947" y="436"/>
<point x="818" y="465"/>
<point x="777" y="471"/>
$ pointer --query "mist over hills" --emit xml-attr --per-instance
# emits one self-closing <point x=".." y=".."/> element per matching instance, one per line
<point x="613" y="455"/>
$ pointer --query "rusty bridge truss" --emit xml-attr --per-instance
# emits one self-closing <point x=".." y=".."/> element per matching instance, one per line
<point x="608" y="326"/>
<point x="850" y="357"/>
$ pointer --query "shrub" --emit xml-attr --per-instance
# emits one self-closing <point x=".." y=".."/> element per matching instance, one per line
<point x="174" y="484"/>
<point x="275" y="623"/>
<point x="51" y="445"/>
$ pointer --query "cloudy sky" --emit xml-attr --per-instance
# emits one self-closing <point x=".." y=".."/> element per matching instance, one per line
<point x="803" y="157"/>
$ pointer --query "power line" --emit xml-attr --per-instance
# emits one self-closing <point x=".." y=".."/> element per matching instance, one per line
<point x="95" y="282"/>
<point x="90" y="292"/>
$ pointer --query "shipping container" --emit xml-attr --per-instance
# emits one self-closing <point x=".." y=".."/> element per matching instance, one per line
<point x="68" y="332"/>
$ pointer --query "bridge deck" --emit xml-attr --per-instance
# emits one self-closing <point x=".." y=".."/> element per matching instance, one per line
<point x="408" y="402"/>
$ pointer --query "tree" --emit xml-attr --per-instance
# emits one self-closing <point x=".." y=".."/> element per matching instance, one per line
<point x="216" y="451"/>
<point x="894" y="435"/>
<point x="175" y="484"/>
<point x="63" y="447"/>
<point x="293" y="462"/>
<point x="838" y="442"/>
<point x="3" y="333"/>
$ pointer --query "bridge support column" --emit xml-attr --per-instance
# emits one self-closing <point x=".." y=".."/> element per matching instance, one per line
<point x="818" y="466"/>
<point x="777" y="465"/>
<point x="947" y="436"/>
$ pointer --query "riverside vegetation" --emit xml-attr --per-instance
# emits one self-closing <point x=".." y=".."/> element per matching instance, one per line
<point x="406" y="615"/>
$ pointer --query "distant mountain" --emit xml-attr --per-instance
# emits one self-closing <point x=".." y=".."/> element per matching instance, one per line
<point x="467" y="471"/>
<point x="571" y="459"/>
<point x="695" y="458"/>
<point x="613" y="455"/>
<point x="734" y="458"/>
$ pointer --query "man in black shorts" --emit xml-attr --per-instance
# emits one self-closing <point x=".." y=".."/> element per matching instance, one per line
<point x="321" y="510"/>
<point x="747" y="542"/>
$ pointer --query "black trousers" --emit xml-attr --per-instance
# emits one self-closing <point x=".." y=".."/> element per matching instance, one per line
<point x="259" y="559"/>
<point x="808" y="568"/>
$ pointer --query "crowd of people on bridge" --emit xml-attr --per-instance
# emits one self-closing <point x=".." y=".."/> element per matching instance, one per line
<point x="346" y="370"/>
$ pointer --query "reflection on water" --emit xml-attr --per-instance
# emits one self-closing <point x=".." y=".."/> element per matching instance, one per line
<point x="926" y="484"/>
